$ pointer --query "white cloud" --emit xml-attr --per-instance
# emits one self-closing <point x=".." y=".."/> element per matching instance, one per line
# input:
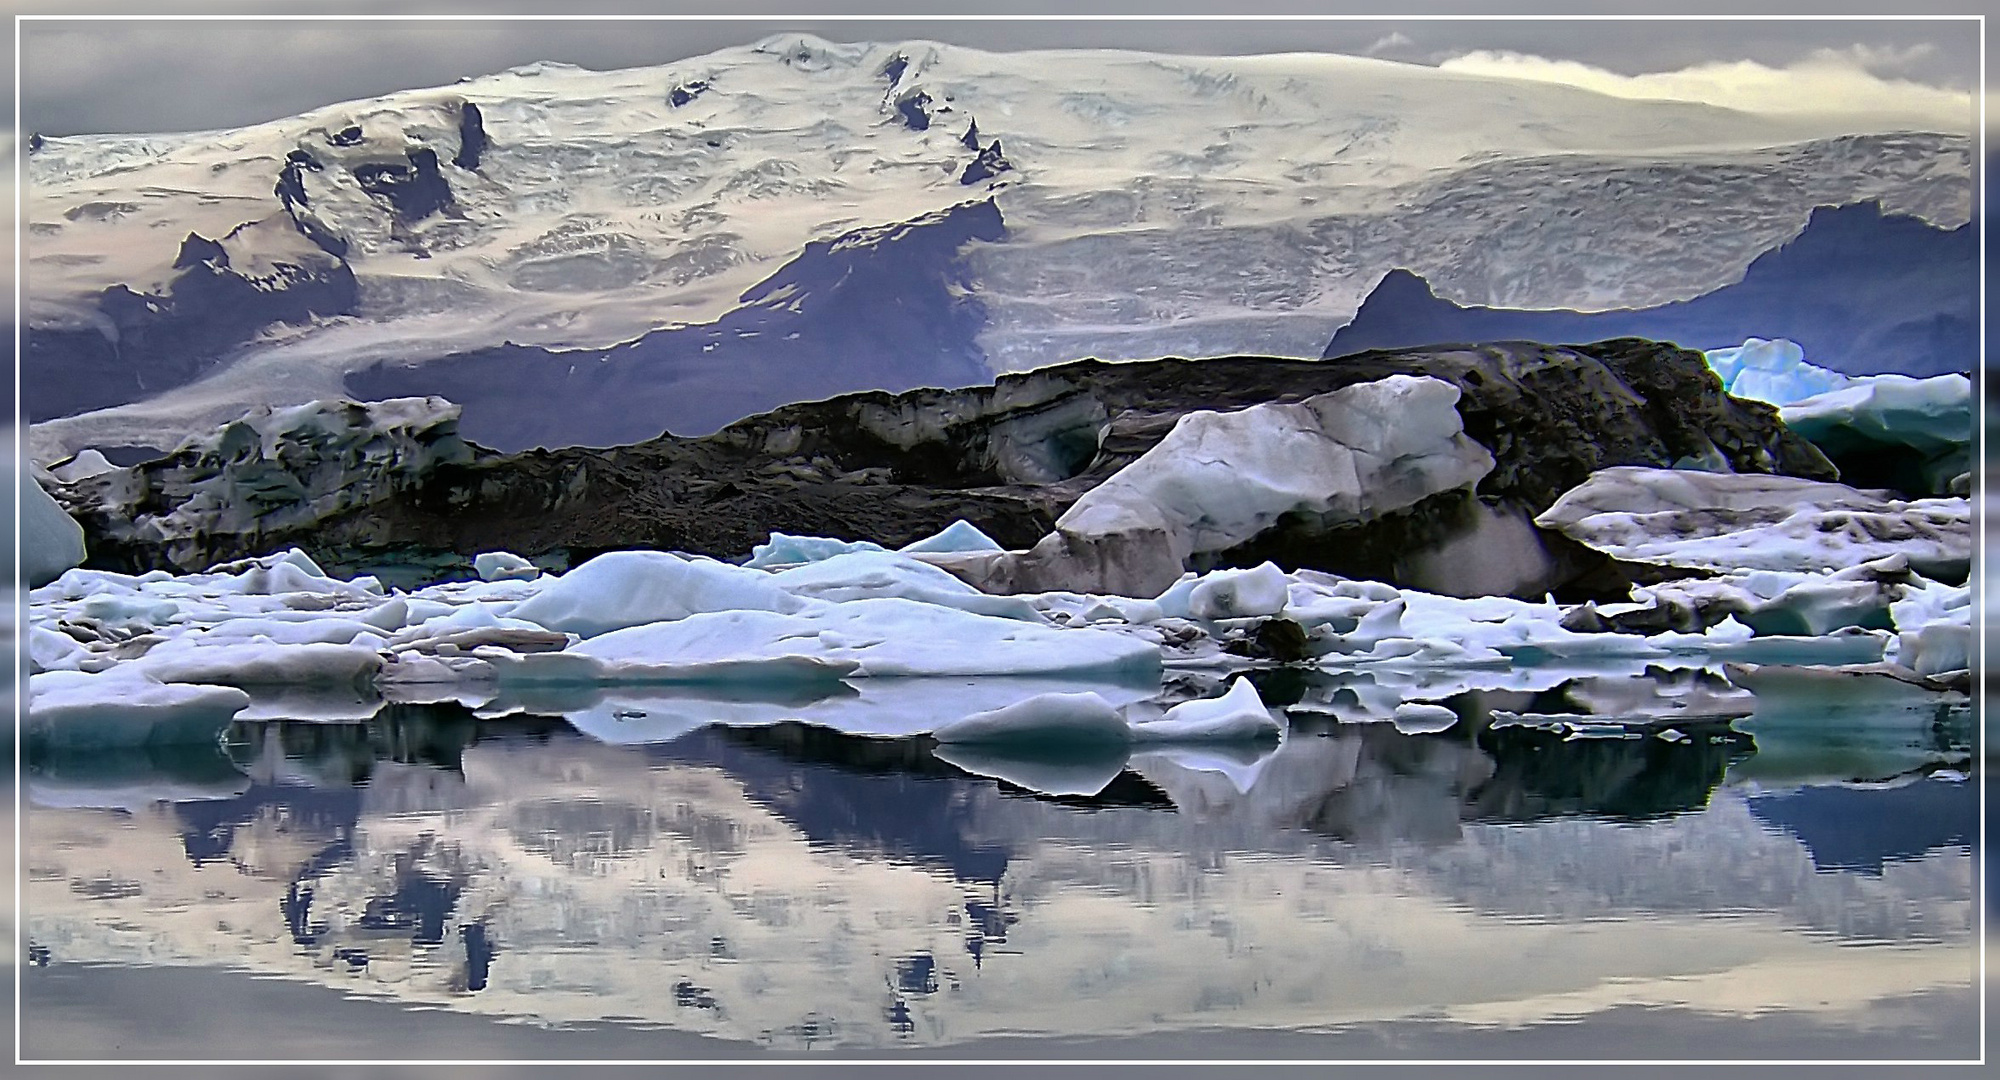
<point x="1392" y="42"/>
<point x="1828" y="81"/>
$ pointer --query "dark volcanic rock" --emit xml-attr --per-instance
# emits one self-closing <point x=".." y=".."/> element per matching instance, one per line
<point x="471" y="137"/>
<point x="881" y="307"/>
<point x="414" y="191"/>
<point x="686" y="92"/>
<point x="1862" y="291"/>
<point x="915" y="109"/>
<point x="986" y="166"/>
<point x="137" y="344"/>
<point x="1011" y="457"/>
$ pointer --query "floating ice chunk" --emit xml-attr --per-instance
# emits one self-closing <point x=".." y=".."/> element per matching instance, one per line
<point x="890" y="636"/>
<point x="1936" y="649"/>
<point x="1238" y="715"/>
<point x="50" y="650"/>
<point x="631" y="588"/>
<point x="860" y="575"/>
<point x="1849" y="646"/>
<point x="784" y="549"/>
<point x="404" y="611"/>
<point x="1043" y="720"/>
<point x="1422" y="718"/>
<point x="1757" y="522"/>
<point x="289" y="571"/>
<point x="122" y="707"/>
<point x="126" y="611"/>
<point x="261" y="663"/>
<point x="504" y="566"/>
<point x="1234" y="594"/>
<point x="1929" y="415"/>
<point x="959" y="536"/>
<point x="51" y="540"/>
<point x="1771" y="371"/>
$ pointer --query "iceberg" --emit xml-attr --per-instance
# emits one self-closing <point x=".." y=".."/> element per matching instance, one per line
<point x="1219" y="479"/>
<point x="632" y="588"/>
<point x="1730" y="522"/>
<point x="1771" y="371"/>
<point x="76" y="710"/>
<point x="1237" y="716"/>
<point x="51" y="540"/>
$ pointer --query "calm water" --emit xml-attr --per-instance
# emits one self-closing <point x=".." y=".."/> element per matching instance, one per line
<point x="1727" y="890"/>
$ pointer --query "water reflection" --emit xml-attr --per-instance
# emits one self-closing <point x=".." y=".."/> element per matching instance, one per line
<point x="792" y="885"/>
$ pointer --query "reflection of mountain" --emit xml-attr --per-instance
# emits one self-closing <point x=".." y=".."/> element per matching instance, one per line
<point x="1847" y="828"/>
<point x="1860" y="290"/>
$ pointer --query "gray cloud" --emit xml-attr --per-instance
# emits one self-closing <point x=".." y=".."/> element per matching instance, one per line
<point x="164" y="76"/>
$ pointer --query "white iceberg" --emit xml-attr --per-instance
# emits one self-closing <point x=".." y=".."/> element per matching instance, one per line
<point x="1771" y="371"/>
<point x="632" y="588"/>
<point x="123" y="707"/>
<point x="1236" y="716"/>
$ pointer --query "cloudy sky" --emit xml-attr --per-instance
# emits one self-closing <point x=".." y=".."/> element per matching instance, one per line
<point x="130" y="75"/>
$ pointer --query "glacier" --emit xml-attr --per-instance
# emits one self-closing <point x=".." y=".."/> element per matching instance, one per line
<point x="595" y="214"/>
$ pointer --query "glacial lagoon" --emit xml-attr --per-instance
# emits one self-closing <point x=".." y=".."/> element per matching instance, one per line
<point x="1706" y="889"/>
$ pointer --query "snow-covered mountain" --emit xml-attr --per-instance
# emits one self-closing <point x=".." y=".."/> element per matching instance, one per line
<point x="1148" y="205"/>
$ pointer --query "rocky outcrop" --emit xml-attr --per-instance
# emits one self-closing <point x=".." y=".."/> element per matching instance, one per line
<point x="1861" y="290"/>
<point x="471" y="137"/>
<point x="989" y="164"/>
<point x="414" y="191"/>
<point x="682" y="93"/>
<point x="273" y="473"/>
<point x="220" y="294"/>
<point x="1012" y="457"/>
<point x="914" y="109"/>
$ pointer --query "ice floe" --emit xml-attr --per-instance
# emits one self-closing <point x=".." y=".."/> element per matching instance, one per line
<point x="1727" y="522"/>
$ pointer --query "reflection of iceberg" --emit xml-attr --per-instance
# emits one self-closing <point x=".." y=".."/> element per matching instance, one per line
<point x="737" y="881"/>
<point x="130" y="778"/>
<point x="885" y="707"/>
<point x="1075" y="770"/>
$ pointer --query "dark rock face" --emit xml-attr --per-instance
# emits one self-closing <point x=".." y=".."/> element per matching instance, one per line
<point x="874" y="308"/>
<point x="970" y="140"/>
<point x="986" y="166"/>
<point x="197" y="249"/>
<point x="915" y="109"/>
<point x="35" y="141"/>
<point x="137" y="344"/>
<point x="347" y="136"/>
<point x="1012" y="456"/>
<point x="686" y="92"/>
<point x="893" y="70"/>
<point x="1860" y="290"/>
<point x="414" y="192"/>
<point x="471" y="137"/>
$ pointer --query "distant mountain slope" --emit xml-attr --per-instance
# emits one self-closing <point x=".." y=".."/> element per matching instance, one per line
<point x="875" y="309"/>
<point x="1862" y="291"/>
